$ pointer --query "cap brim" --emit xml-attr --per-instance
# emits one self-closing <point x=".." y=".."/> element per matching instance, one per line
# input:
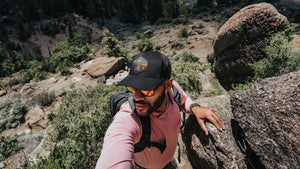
<point x="141" y="83"/>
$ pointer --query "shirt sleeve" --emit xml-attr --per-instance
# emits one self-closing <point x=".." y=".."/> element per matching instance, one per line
<point x="186" y="101"/>
<point x="118" y="146"/>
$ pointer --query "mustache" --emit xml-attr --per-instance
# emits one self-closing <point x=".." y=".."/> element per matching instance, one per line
<point x="141" y="102"/>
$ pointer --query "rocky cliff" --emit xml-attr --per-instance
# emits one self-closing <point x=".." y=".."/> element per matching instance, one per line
<point x="268" y="114"/>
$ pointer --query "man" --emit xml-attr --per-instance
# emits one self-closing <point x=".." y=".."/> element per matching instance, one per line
<point x="150" y="82"/>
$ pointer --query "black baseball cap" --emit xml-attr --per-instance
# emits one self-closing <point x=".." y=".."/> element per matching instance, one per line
<point x="148" y="71"/>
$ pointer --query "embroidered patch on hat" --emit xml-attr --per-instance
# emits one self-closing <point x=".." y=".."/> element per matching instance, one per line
<point x="140" y="64"/>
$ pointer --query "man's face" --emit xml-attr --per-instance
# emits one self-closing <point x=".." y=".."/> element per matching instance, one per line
<point x="146" y="105"/>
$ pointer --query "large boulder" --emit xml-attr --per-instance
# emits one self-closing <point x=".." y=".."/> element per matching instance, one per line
<point x="218" y="150"/>
<point x="36" y="118"/>
<point x="241" y="40"/>
<point x="105" y="66"/>
<point x="3" y="92"/>
<point x="269" y="115"/>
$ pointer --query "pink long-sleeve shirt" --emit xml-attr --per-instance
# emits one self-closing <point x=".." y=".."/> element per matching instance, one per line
<point x="126" y="130"/>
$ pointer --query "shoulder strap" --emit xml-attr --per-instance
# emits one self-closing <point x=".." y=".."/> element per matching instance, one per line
<point x="177" y="98"/>
<point x="116" y="101"/>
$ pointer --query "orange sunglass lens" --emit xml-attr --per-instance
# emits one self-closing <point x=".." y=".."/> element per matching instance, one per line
<point x="147" y="93"/>
<point x="144" y="92"/>
<point x="131" y="89"/>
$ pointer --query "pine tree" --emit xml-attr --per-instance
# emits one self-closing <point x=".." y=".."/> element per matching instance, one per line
<point x="30" y="9"/>
<point x="129" y="12"/>
<point x="3" y="33"/>
<point x="170" y="8"/>
<point x="20" y="28"/>
<point x="154" y="10"/>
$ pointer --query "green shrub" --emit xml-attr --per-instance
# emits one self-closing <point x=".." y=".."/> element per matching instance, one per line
<point x="170" y="8"/>
<point x="12" y="113"/>
<point x="17" y="115"/>
<point x="78" y="128"/>
<point x="13" y="81"/>
<point x="3" y="85"/>
<point x="50" y="28"/>
<point x="189" y="57"/>
<point x="51" y="116"/>
<point x="63" y="67"/>
<point x="87" y="33"/>
<point x="40" y="75"/>
<point x="8" y="146"/>
<point x="138" y="35"/>
<point x="187" y="76"/>
<point x="43" y="99"/>
<point x="163" y="21"/>
<point x="145" y="45"/>
<point x="212" y="89"/>
<point x="185" y="10"/>
<point x="11" y="64"/>
<point x="65" y="55"/>
<point x="279" y="59"/>
<point x="23" y="31"/>
<point x="113" y="47"/>
<point x="12" y="46"/>
<point x="26" y="76"/>
<point x="183" y="32"/>
<point x="38" y="69"/>
<point x="78" y="39"/>
<point x="178" y="21"/>
<point x="243" y="86"/>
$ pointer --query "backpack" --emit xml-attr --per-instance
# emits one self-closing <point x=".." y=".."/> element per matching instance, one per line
<point x="118" y="99"/>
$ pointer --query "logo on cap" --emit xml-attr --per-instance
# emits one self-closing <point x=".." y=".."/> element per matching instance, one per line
<point x="140" y="64"/>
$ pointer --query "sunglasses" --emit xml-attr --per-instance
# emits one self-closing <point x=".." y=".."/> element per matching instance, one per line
<point x="144" y="92"/>
<point x="148" y="93"/>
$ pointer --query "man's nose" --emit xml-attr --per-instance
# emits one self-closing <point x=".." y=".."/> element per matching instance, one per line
<point x="138" y="95"/>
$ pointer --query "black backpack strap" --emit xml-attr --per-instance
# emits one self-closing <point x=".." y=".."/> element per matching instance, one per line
<point x="146" y="132"/>
<point x="177" y="98"/>
<point x="161" y="147"/>
<point x="116" y="101"/>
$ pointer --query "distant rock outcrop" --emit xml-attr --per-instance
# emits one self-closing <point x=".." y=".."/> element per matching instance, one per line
<point x="3" y="92"/>
<point x="241" y="39"/>
<point x="104" y="66"/>
<point x="35" y="118"/>
<point x="269" y="114"/>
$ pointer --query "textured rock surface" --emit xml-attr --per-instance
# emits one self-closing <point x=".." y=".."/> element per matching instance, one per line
<point x="3" y="92"/>
<point x="35" y="118"/>
<point x="218" y="150"/>
<point x="269" y="114"/>
<point x="105" y="66"/>
<point x="241" y="39"/>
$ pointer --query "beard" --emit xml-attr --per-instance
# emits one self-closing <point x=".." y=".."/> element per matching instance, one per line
<point x="155" y="106"/>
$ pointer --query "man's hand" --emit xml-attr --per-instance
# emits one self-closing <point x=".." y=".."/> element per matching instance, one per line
<point x="204" y="113"/>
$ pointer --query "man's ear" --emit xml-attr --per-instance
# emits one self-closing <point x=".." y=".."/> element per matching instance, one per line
<point x="169" y="84"/>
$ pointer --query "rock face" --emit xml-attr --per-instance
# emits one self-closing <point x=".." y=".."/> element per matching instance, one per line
<point x="35" y="118"/>
<point x="269" y="114"/>
<point x="241" y="39"/>
<point x="3" y="92"/>
<point x="218" y="150"/>
<point x="105" y="66"/>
